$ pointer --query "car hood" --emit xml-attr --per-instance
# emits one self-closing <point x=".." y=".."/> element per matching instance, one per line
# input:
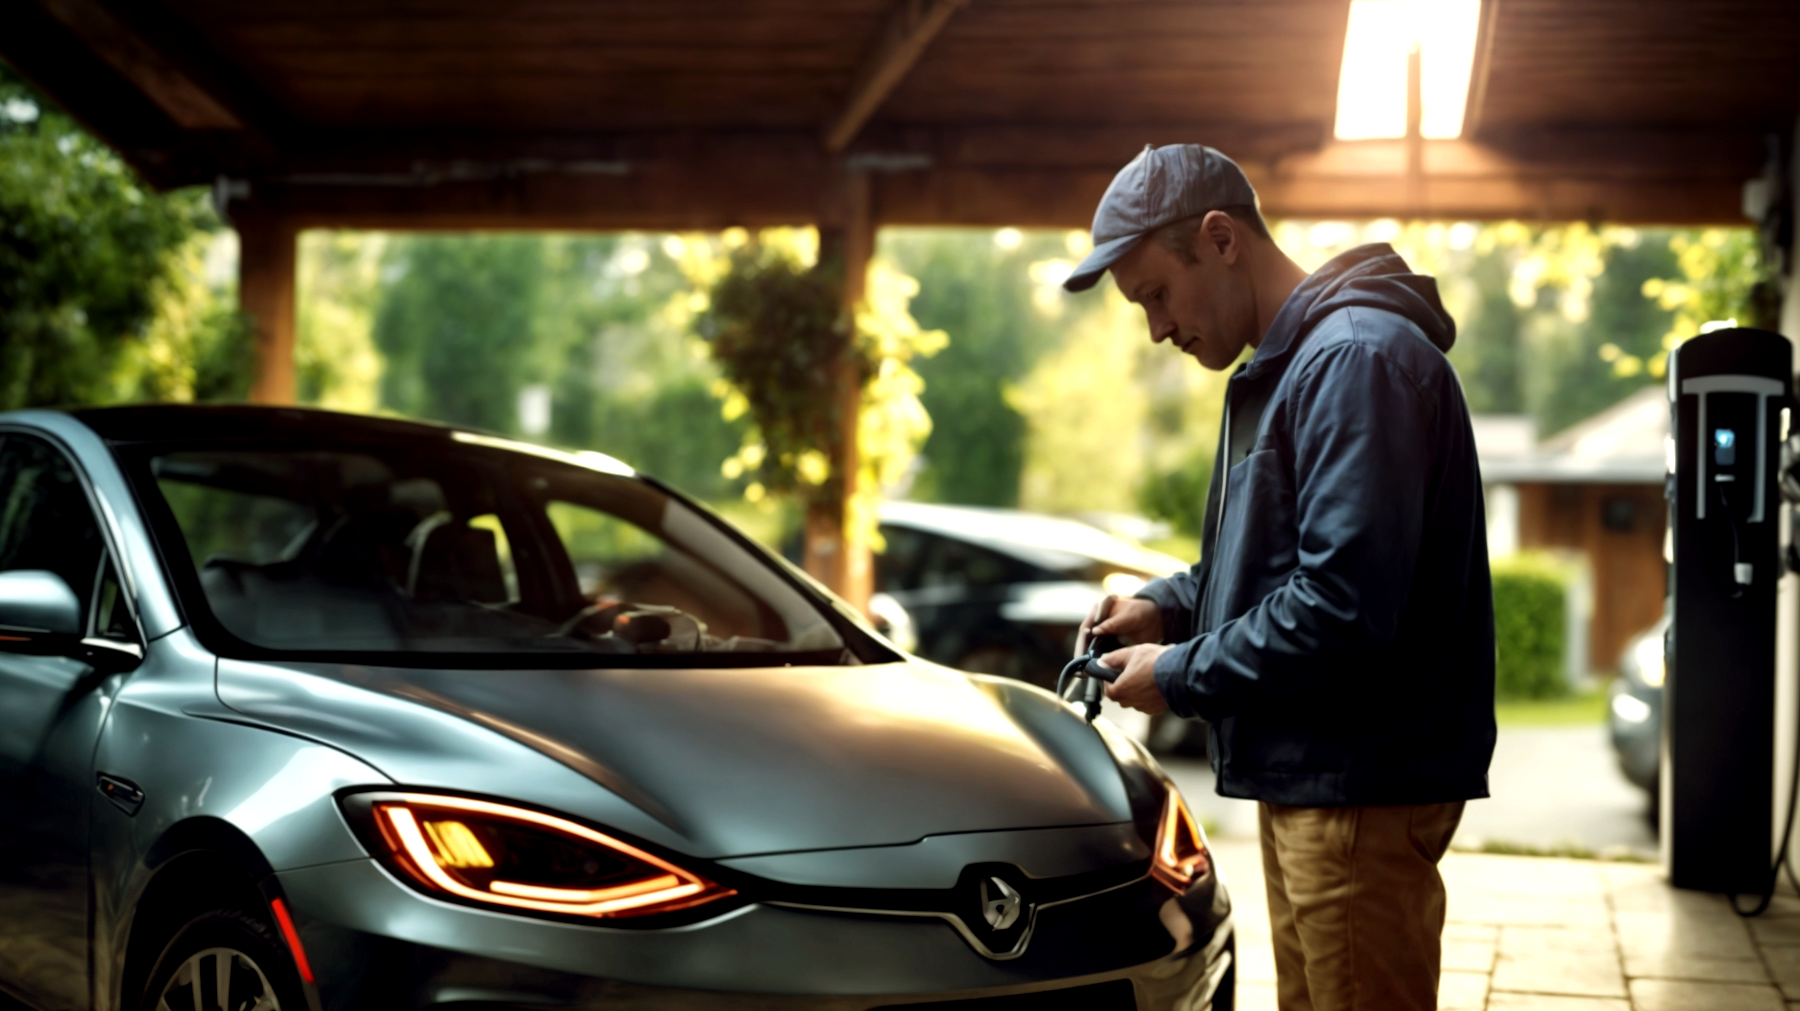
<point x="716" y="762"/>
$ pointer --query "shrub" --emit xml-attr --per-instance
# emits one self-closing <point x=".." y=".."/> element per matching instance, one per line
<point x="1530" y="616"/>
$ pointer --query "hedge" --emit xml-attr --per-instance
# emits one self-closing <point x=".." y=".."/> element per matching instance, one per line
<point x="1530" y="618"/>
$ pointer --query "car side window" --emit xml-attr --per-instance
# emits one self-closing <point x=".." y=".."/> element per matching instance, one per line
<point x="45" y="519"/>
<point x="897" y="567"/>
<point x="110" y="617"/>
<point x="951" y="562"/>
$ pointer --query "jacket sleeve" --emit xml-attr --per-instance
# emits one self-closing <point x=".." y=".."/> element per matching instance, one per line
<point x="1176" y="596"/>
<point x="1363" y="432"/>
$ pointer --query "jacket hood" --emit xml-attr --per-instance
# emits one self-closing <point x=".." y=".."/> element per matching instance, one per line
<point x="716" y="763"/>
<point x="1373" y="276"/>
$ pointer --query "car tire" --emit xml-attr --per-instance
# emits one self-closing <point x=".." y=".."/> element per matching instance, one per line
<point x="257" y="968"/>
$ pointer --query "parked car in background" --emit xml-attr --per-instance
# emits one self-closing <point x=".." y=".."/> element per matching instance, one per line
<point x="1002" y="591"/>
<point x="303" y="710"/>
<point x="1635" y="711"/>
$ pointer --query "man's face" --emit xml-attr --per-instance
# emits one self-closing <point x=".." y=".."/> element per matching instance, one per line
<point x="1203" y="308"/>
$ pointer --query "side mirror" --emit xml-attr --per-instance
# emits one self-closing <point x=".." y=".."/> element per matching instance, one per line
<point x="38" y="613"/>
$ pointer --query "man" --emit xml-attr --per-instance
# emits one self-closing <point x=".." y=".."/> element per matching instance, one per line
<point x="1338" y="630"/>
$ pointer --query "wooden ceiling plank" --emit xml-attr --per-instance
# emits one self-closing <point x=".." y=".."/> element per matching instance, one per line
<point x="189" y="105"/>
<point x="1476" y="103"/>
<point x="909" y="29"/>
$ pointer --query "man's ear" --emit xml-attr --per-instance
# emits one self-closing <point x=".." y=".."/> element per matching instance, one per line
<point x="1219" y="232"/>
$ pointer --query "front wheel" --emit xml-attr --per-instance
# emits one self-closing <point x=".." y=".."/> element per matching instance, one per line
<point x="224" y="960"/>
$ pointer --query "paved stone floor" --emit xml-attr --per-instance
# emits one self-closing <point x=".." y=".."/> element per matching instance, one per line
<point x="1544" y="934"/>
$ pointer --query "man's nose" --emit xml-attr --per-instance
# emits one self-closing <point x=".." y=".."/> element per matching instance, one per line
<point x="1161" y="329"/>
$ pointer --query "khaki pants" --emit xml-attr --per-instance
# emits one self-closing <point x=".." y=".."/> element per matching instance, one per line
<point x="1356" y="903"/>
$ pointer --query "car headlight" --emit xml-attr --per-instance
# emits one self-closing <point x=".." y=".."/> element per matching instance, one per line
<point x="1650" y="663"/>
<point x="1181" y="856"/>
<point x="512" y="858"/>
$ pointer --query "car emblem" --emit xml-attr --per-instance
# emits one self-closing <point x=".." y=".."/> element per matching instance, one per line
<point x="1000" y="903"/>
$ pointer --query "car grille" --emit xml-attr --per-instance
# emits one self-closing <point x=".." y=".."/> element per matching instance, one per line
<point x="1116" y="995"/>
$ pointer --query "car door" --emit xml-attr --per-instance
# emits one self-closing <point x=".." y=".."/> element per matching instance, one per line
<point x="50" y="713"/>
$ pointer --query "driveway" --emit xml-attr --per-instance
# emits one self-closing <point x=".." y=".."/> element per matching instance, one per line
<point x="1553" y="788"/>
<point x="1549" y="934"/>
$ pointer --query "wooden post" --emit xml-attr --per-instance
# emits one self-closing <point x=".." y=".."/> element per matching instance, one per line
<point x="266" y="293"/>
<point x="836" y="554"/>
<point x="1415" y="137"/>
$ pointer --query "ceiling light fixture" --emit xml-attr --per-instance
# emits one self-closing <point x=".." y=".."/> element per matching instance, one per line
<point x="1371" y="102"/>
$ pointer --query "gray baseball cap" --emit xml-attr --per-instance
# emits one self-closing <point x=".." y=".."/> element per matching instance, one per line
<point x="1159" y="186"/>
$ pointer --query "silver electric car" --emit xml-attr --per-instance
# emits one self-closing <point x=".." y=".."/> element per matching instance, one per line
<point x="309" y="711"/>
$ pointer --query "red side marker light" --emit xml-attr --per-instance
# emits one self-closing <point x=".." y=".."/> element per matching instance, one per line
<point x="292" y="936"/>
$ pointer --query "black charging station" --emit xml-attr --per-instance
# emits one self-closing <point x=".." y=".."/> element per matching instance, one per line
<point x="1728" y="391"/>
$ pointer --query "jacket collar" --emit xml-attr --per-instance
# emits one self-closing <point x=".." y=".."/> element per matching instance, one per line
<point x="1296" y="319"/>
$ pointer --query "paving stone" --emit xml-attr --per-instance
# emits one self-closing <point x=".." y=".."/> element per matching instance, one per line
<point x="1524" y="941"/>
<point x="1462" y="991"/>
<point x="1693" y="933"/>
<point x="1498" y="1001"/>
<point x="1680" y="965"/>
<point x="1670" y="995"/>
<point x="1580" y="974"/>
<point x="1526" y="911"/>
<point x="1784" y="966"/>
<point x="1256" y="960"/>
<point x="1780" y="930"/>
<point x="1484" y="932"/>
<point x="1256" y="996"/>
<point x="1468" y="956"/>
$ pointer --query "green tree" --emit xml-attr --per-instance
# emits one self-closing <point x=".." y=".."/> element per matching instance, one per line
<point x="102" y="295"/>
<point x="976" y="286"/>
<point x="457" y="326"/>
<point x="1489" y="352"/>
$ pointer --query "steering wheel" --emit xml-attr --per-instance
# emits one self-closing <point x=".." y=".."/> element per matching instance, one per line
<point x="636" y="625"/>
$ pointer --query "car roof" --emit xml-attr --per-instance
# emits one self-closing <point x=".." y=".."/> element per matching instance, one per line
<point x="1049" y="541"/>
<point x="231" y="422"/>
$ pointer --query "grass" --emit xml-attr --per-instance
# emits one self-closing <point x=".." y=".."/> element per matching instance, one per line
<point x="1573" y="710"/>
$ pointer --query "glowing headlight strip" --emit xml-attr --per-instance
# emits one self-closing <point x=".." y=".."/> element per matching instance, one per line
<point x="1176" y="869"/>
<point x="674" y="885"/>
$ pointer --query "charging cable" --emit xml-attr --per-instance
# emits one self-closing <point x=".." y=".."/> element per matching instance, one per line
<point x="1787" y="830"/>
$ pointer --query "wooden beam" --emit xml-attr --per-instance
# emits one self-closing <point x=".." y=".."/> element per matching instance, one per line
<point x="266" y="247"/>
<point x="1024" y="176"/>
<point x="1479" y="70"/>
<point x="909" y="29"/>
<point x="64" y="68"/>
<point x="185" y="102"/>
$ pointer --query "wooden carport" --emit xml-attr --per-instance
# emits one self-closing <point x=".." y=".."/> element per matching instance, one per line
<point x="702" y="114"/>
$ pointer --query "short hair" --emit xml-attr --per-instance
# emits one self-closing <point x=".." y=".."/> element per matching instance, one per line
<point x="1178" y="236"/>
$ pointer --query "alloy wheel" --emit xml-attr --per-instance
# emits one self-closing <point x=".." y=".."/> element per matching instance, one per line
<point x="218" y="979"/>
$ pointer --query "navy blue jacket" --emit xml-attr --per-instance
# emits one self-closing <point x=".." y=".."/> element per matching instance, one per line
<point x="1338" y="632"/>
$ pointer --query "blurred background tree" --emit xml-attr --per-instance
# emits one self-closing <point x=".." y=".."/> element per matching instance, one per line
<point x="105" y="292"/>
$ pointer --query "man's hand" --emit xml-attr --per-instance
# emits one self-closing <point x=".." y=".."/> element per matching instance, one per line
<point x="1132" y="619"/>
<point x="1136" y="687"/>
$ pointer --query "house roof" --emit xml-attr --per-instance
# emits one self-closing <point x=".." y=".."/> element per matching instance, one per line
<point x="1623" y="444"/>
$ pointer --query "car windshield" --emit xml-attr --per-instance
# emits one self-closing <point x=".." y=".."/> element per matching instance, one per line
<point x="465" y="547"/>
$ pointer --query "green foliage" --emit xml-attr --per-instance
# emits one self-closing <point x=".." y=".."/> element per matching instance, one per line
<point x="1178" y="496"/>
<point x="980" y="291"/>
<point x="1529" y="627"/>
<point x="89" y="258"/>
<point x="780" y="337"/>
<point x="1489" y="351"/>
<point x="456" y="327"/>
<point x="776" y="330"/>
<point x="336" y="364"/>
